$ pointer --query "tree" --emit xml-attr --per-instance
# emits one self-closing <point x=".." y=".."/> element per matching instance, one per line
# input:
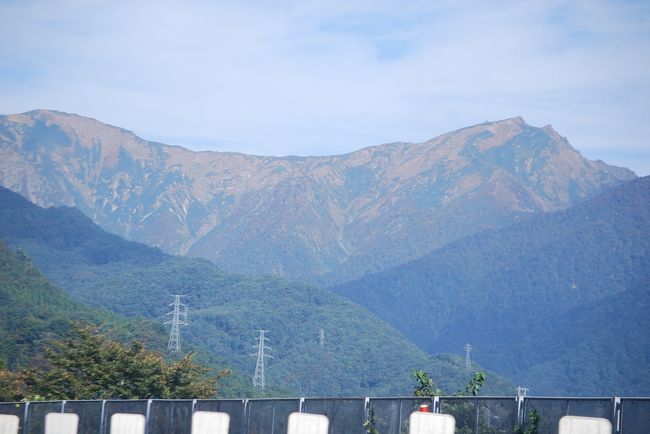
<point x="425" y="387"/>
<point x="475" y="384"/>
<point x="463" y="411"/>
<point x="90" y="366"/>
<point x="369" y="424"/>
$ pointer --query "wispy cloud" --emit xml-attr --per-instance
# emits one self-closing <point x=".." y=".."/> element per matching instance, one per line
<point x="325" y="77"/>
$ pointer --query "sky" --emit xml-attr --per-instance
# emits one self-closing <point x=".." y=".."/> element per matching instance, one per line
<point x="330" y="77"/>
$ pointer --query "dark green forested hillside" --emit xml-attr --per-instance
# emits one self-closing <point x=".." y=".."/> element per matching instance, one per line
<point x="361" y="355"/>
<point x="604" y="347"/>
<point x="32" y="311"/>
<point x="555" y="301"/>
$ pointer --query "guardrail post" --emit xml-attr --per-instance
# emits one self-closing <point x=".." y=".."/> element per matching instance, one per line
<point x="617" y="415"/>
<point x="102" y="419"/>
<point x="476" y="413"/>
<point x="25" y="414"/>
<point x="147" y="420"/>
<point x="246" y="416"/>
<point x="520" y="409"/>
<point x="273" y="418"/>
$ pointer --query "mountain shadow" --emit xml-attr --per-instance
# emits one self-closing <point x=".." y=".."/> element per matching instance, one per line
<point x="556" y="302"/>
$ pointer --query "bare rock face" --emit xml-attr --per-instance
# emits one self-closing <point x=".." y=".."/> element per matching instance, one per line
<point x="322" y="219"/>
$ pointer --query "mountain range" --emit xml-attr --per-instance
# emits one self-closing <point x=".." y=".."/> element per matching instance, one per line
<point x="317" y="219"/>
<point x="499" y="234"/>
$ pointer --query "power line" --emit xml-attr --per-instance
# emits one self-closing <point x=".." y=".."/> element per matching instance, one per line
<point x="468" y="363"/>
<point x="258" y="378"/>
<point x="179" y="318"/>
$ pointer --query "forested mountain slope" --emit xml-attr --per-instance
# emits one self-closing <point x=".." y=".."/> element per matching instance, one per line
<point x="522" y="296"/>
<point x="32" y="311"/>
<point x="361" y="355"/>
<point x="603" y="347"/>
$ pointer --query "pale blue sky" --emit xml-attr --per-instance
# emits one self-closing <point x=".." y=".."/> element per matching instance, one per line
<point x="328" y="77"/>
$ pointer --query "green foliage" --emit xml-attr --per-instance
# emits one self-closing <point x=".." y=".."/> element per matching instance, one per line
<point x="533" y="422"/>
<point x="12" y="386"/>
<point x="475" y="384"/>
<point x="369" y="424"/>
<point x="425" y="387"/>
<point x="88" y="365"/>
<point x="464" y="411"/>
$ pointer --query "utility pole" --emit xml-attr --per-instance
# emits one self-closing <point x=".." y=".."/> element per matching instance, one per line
<point x="258" y="378"/>
<point x="468" y="349"/>
<point x="321" y="337"/>
<point x="179" y="318"/>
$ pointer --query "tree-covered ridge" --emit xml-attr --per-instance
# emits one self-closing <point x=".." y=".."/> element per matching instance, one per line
<point x="30" y="307"/>
<point x="46" y="352"/>
<point x="361" y="355"/>
<point x="34" y="314"/>
<point x="32" y="311"/>
<point x="521" y="296"/>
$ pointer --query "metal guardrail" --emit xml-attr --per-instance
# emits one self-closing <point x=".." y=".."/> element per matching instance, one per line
<point x="480" y="415"/>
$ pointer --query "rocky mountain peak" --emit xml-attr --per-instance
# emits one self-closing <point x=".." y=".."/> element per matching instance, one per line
<point x="299" y="216"/>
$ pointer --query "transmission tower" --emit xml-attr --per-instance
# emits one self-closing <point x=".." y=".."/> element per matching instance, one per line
<point x="321" y="338"/>
<point x="179" y="318"/>
<point x="258" y="378"/>
<point x="468" y="349"/>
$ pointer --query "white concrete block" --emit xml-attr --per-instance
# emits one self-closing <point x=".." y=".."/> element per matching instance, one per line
<point x="584" y="425"/>
<point x="307" y="423"/>
<point x="431" y="423"/>
<point x="61" y="423"/>
<point x="127" y="423"/>
<point x="9" y="424"/>
<point x="210" y="422"/>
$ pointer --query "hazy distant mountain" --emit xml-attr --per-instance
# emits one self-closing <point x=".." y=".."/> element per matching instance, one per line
<point x="361" y="355"/>
<point x="558" y="302"/>
<point x="335" y="217"/>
